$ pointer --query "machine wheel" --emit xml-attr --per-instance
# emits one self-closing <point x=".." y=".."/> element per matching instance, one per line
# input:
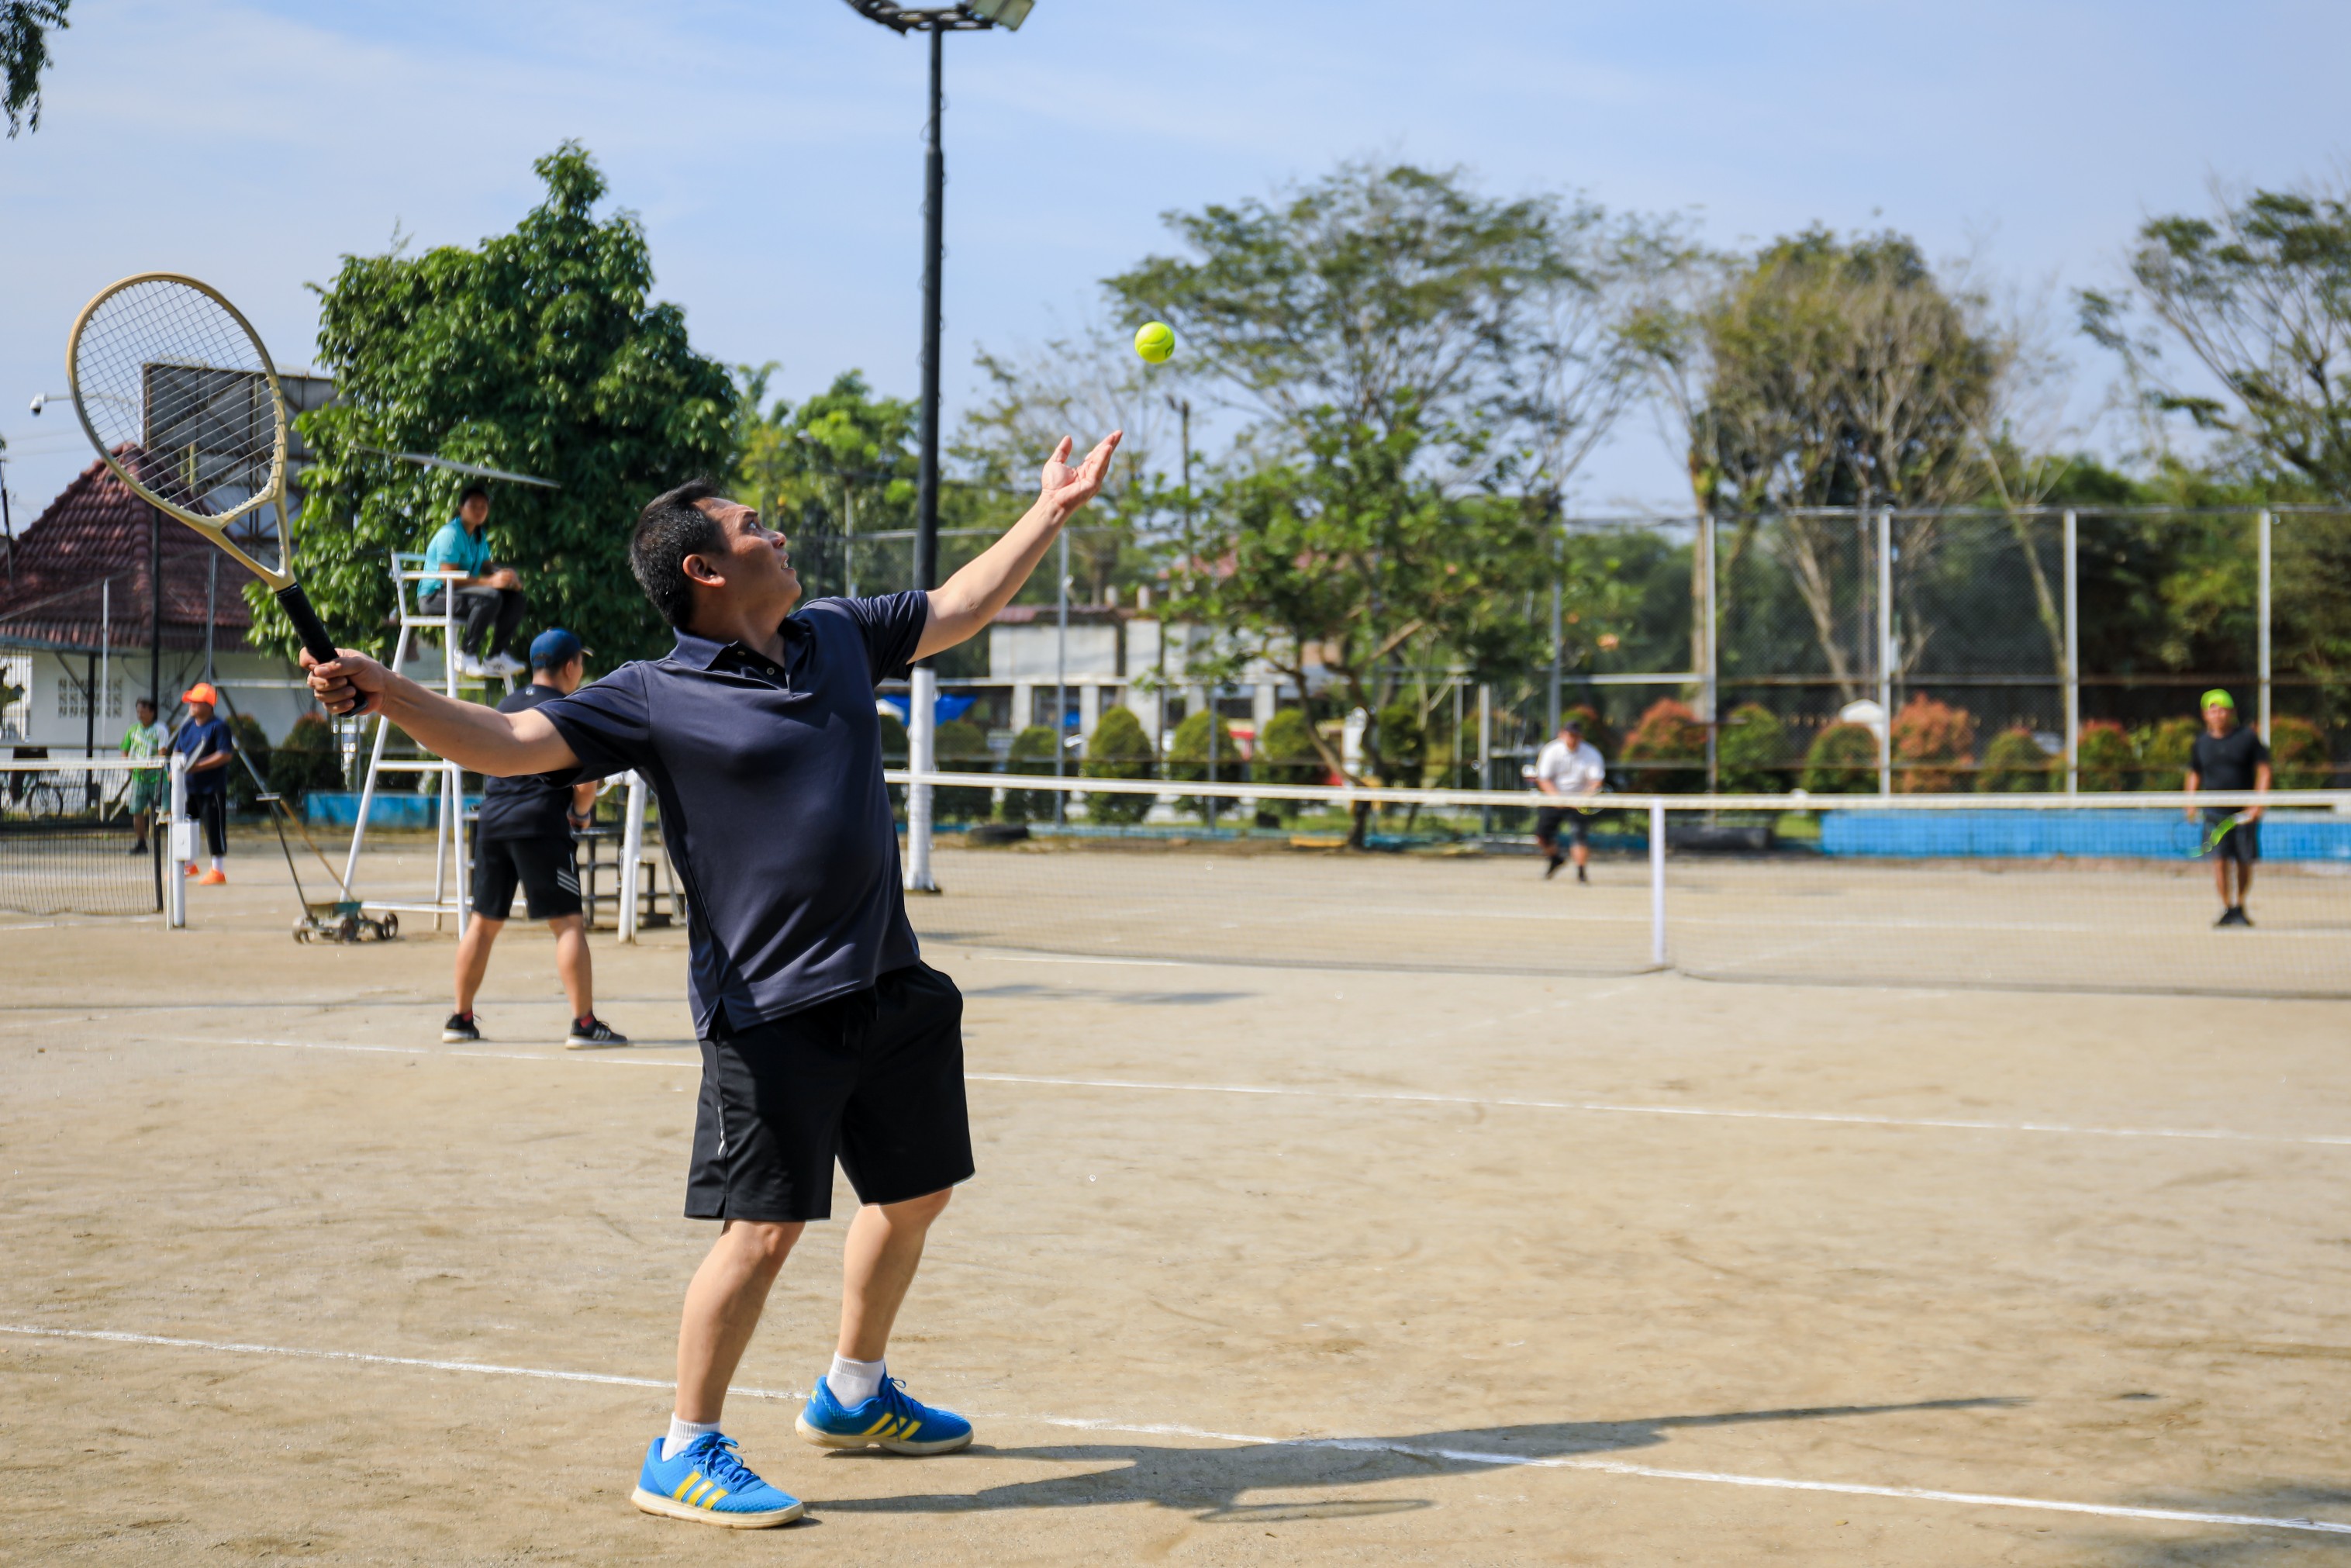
<point x="348" y="929"/>
<point x="388" y="928"/>
<point x="302" y="933"/>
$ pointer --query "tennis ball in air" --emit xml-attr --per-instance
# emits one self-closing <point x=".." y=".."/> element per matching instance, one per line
<point x="1155" y="340"/>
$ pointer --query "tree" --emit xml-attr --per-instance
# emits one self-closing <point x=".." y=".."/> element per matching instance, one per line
<point x="1752" y="752"/>
<point x="840" y="464"/>
<point x="537" y="352"/>
<point x="24" y="27"/>
<point x="2258" y="294"/>
<point x="1826" y="373"/>
<point x="2013" y="763"/>
<point x="1032" y="754"/>
<point x="1841" y="761"/>
<point x="1188" y="760"/>
<point x="1666" y="753"/>
<point x="1933" y="744"/>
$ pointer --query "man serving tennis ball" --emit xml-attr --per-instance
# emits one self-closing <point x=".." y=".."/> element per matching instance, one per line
<point x="823" y="1034"/>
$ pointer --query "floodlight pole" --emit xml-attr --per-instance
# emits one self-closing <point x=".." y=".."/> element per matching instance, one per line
<point x="922" y="707"/>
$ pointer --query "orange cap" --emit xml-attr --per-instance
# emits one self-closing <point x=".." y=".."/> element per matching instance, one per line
<point x="201" y="692"/>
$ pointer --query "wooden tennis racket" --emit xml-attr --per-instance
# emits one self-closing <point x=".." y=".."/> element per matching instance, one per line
<point x="175" y="390"/>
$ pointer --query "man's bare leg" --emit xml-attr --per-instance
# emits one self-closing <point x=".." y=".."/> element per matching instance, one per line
<point x="474" y="957"/>
<point x="572" y="963"/>
<point x="722" y="1308"/>
<point x="883" y="1248"/>
<point x="2244" y="881"/>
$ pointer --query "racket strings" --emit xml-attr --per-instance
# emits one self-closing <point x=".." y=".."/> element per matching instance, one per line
<point x="167" y="371"/>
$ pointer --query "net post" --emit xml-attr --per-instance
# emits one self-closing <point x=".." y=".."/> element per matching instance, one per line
<point x="1886" y="649"/>
<point x="458" y="864"/>
<point x="632" y="850"/>
<point x="175" y="885"/>
<point x="2263" y="525"/>
<point x="1657" y="884"/>
<point x="921" y="759"/>
<point x="2073" y="656"/>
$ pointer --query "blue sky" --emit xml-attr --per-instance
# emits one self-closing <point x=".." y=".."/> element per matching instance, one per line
<point x="774" y="149"/>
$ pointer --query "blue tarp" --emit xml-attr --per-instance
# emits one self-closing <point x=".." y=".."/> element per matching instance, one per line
<point x="398" y="808"/>
<point x="2040" y="835"/>
<point x="943" y="710"/>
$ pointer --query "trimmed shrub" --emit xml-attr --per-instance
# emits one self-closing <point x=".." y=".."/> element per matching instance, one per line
<point x="1664" y="745"/>
<point x="1403" y="743"/>
<point x="1119" y="748"/>
<point x="1286" y="754"/>
<point x="2298" y="759"/>
<point x="2015" y="764"/>
<point x="307" y="760"/>
<point x="1032" y="756"/>
<point x="2106" y="758"/>
<point x="961" y="747"/>
<point x="1841" y="761"/>
<point x="1751" y="752"/>
<point x="1933" y="744"/>
<point x="2163" y="752"/>
<point x="1188" y="759"/>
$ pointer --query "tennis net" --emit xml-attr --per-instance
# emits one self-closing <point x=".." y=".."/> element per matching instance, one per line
<point x="2047" y="892"/>
<point x="68" y="836"/>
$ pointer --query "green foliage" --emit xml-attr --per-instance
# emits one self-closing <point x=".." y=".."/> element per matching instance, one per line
<point x="2258" y="293"/>
<point x="1119" y="748"/>
<point x="24" y="27"/>
<point x="1032" y="754"/>
<point x="1596" y="729"/>
<point x="308" y="758"/>
<point x="2298" y="757"/>
<point x="1188" y="760"/>
<point x="1403" y="745"/>
<point x="2013" y="763"/>
<point x="2164" y="749"/>
<point x="960" y="746"/>
<point x="1933" y="743"/>
<point x="841" y="464"/>
<point x="2104" y="758"/>
<point x="537" y="352"/>
<point x="1751" y="752"/>
<point x="1286" y="754"/>
<point x="1664" y="746"/>
<point x="1841" y="761"/>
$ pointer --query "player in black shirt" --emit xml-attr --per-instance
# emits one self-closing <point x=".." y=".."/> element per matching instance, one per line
<point x="523" y="834"/>
<point x="2227" y="758"/>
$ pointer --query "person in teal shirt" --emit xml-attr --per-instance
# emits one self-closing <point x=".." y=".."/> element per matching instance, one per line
<point x="489" y="598"/>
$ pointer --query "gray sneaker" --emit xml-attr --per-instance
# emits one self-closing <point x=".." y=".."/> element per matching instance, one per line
<point x="592" y="1033"/>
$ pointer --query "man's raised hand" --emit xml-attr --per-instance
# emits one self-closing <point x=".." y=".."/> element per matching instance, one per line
<point x="1065" y="488"/>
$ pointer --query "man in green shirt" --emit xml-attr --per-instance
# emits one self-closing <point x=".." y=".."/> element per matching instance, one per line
<point x="488" y="597"/>
<point x="144" y="739"/>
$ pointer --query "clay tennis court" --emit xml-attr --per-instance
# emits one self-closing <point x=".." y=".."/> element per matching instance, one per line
<point x="1264" y="1263"/>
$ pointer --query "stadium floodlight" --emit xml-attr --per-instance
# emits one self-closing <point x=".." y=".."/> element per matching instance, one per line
<point x="972" y="16"/>
<point x="1005" y="14"/>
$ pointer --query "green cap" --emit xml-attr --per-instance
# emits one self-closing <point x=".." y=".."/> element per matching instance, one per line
<point x="2216" y="697"/>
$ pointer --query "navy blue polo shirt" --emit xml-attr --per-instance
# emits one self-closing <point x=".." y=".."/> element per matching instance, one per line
<point x="772" y="803"/>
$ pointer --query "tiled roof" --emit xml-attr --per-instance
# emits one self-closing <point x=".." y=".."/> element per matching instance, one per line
<point x="98" y="531"/>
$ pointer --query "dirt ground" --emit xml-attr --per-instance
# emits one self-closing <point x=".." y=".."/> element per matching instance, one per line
<point x="1262" y="1265"/>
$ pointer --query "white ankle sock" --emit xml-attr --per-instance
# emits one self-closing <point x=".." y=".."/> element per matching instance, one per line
<point x="682" y="1434"/>
<point x="853" y="1382"/>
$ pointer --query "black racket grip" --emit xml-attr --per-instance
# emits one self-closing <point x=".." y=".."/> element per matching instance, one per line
<point x="312" y="631"/>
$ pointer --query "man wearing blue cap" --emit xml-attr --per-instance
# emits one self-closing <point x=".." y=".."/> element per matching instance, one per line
<point x="523" y="834"/>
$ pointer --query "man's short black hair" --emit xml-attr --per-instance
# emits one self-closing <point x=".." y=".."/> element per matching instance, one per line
<point x="670" y="528"/>
<point x="470" y="491"/>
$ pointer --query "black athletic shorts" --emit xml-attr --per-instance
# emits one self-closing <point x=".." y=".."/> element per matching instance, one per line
<point x="543" y="866"/>
<point x="1550" y="819"/>
<point x="2242" y="844"/>
<point x="874" y="1078"/>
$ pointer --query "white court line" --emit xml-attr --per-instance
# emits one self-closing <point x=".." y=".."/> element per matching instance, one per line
<point x="1354" y="1445"/>
<point x="1393" y="1097"/>
<point x="1606" y="1108"/>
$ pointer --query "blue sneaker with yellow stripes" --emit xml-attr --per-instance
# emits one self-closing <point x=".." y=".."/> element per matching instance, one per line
<point x="892" y="1419"/>
<point x="707" y="1483"/>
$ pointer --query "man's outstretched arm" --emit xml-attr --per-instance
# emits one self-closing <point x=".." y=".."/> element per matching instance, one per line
<point x="968" y="601"/>
<point x="482" y="738"/>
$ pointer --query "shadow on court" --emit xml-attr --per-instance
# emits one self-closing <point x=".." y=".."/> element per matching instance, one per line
<point x="2305" y="1499"/>
<point x="1209" y="1482"/>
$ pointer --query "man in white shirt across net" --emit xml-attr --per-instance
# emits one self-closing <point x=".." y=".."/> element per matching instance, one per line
<point x="1570" y="768"/>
